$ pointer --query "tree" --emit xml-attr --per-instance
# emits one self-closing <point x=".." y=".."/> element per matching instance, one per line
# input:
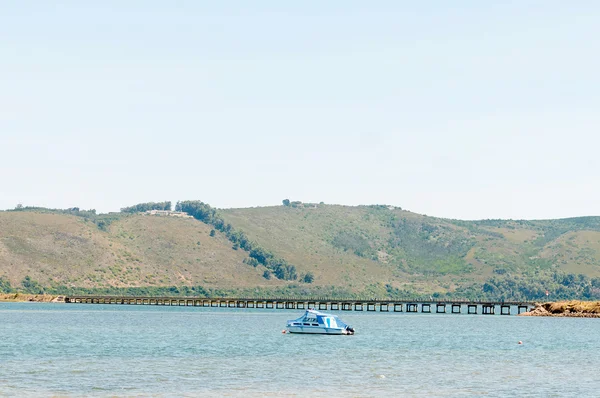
<point x="261" y="255"/>
<point x="286" y="202"/>
<point x="267" y="274"/>
<point x="102" y="225"/>
<point x="212" y="232"/>
<point x="31" y="286"/>
<point x="5" y="286"/>
<point x="283" y="270"/>
<point x="308" y="277"/>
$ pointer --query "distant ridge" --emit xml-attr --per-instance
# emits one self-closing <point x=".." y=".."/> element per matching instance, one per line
<point x="297" y="248"/>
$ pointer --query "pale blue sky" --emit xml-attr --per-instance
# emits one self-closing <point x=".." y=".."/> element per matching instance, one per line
<point x="466" y="109"/>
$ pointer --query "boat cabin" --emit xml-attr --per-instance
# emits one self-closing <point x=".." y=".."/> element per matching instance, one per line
<point x="318" y="322"/>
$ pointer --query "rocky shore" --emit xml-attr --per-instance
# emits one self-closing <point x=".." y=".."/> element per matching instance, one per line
<point x="22" y="297"/>
<point x="575" y="309"/>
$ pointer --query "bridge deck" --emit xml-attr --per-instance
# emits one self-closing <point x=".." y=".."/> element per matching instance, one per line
<point x="323" y="304"/>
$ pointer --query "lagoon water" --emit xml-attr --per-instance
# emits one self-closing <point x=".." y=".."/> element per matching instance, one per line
<point x="75" y="350"/>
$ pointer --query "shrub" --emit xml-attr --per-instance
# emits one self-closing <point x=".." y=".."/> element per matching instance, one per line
<point x="308" y="277"/>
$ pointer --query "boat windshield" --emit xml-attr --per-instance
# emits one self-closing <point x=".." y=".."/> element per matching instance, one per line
<point x="340" y="323"/>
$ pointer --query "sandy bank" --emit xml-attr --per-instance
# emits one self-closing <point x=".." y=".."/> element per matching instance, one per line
<point x="576" y="309"/>
<point x="22" y="297"/>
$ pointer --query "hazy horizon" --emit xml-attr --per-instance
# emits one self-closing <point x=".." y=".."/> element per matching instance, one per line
<point x="473" y="110"/>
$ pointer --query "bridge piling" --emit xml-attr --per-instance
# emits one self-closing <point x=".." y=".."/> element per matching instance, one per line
<point x="523" y="308"/>
<point x="488" y="309"/>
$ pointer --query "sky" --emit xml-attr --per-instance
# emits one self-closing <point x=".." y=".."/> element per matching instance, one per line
<point x="466" y="110"/>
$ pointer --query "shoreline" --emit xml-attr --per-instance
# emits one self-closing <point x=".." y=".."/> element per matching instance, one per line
<point x="33" y="298"/>
<point x="566" y="309"/>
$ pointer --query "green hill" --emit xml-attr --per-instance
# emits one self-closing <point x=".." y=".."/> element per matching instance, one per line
<point x="298" y="249"/>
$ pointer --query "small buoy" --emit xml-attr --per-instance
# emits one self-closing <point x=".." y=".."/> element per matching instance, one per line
<point x="381" y="377"/>
<point x="520" y="342"/>
<point x="284" y="331"/>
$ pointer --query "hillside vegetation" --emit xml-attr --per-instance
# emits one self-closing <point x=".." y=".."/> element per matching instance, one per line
<point x="297" y="249"/>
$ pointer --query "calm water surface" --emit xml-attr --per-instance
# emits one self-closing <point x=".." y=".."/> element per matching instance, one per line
<point x="108" y="350"/>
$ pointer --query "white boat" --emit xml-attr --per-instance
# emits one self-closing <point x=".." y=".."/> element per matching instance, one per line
<point x="316" y="322"/>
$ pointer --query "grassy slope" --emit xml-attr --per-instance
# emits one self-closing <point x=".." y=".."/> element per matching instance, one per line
<point x="434" y="254"/>
<point x="361" y="249"/>
<point x="135" y="251"/>
<point x="303" y="237"/>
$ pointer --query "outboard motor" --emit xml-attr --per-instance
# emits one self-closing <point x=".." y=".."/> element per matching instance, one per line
<point x="350" y="330"/>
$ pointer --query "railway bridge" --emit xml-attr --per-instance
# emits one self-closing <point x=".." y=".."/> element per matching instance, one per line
<point x="322" y="304"/>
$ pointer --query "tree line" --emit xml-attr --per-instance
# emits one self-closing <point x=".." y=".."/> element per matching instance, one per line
<point x="102" y="221"/>
<point x="558" y="285"/>
<point x="543" y="286"/>
<point x="143" y="207"/>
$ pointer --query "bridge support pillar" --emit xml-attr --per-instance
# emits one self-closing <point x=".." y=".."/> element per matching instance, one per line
<point x="522" y="308"/>
<point x="440" y="308"/>
<point x="472" y="309"/>
<point x="397" y="307"/>
<point x="504" y="309"/>
<point x="488" y="309"/>
<point x="426" y="308"/>
<point x="358" y="307"/>
<point x="371" y="307"/>
<point x="412" y="307"/>
<point x="456" y="308"/>
<point x="384" y="307"/>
